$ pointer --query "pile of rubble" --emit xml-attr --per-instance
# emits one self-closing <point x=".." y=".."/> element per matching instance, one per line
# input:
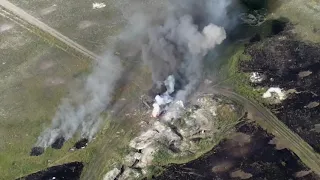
<point x="179" y="136"/>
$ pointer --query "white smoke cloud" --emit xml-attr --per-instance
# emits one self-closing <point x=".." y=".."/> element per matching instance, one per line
<point x="213" y="35"/>
<point x="165" y="98"/>
<point x="198" y="45"/>
<point x="174" y="36"/>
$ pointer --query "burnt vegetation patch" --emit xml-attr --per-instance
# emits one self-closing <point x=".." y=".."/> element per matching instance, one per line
<point x="82" y="143"/>
<point x="282" y="58"/>
<point x="247" y="154"/>
<point x="58" y="143"/>
<point x="255" y="4"/>
<point x="36" y="151"/>
<point x="299" y="114"/>
<point x="278" y="25"/>
<point x="295" y="66"/>
<point x="69" y="171"/>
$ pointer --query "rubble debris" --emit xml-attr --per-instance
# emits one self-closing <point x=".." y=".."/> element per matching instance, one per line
<point x="256" y="77"/>
<point x="132" y="159"/>
<point x="176" y="136"/>
<point x="135" y="163"/>
<point x="131" y="174"/>
<point x="111" y="175"/>
<point x="274" y="92"/>
<point x="122" y="169"/>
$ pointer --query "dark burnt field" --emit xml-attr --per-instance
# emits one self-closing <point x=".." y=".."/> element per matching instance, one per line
<point x="295" y="66"/>
<point x="249" y="153"/>
<point x="69" y="171"/>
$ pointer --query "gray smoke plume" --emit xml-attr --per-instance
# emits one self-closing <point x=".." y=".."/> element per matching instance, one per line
<point x="81" y="111"/>
<point x="174" y="36"/>
<point x="170" y="36"/>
